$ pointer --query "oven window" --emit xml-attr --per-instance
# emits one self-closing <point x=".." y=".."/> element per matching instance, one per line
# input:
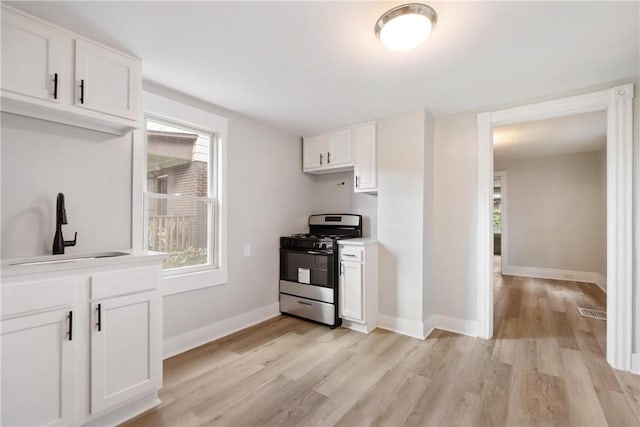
<point x="294" y="264"/>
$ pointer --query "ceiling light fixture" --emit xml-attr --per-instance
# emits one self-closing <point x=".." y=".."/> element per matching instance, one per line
<point x="405" y="27"/>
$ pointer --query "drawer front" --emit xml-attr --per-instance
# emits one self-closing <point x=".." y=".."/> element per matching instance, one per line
<point x="121" y="282"/>
<point x="351" y="253"/>
<point x="37" y="295"/>
<point x="308" y="291"/>
<point x="310" y="309"/>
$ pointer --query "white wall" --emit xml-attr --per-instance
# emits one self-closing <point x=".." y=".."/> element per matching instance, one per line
<point x="455" y="220"/>
<point x="455" y="216"/>
<point x="401" y="141"/>
<point x="555" y="208"/>
<point x="92" y="169"/>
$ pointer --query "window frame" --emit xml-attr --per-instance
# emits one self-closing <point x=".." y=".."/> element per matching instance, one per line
<point x="173" y="112"/>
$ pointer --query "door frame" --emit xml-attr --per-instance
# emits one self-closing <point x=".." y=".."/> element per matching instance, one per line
<point x="618" y="104"/>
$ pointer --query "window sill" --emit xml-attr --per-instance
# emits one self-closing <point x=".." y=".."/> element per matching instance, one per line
<point x="192" y="281"/>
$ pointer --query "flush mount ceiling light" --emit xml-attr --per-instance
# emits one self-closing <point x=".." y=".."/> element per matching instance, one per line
<point x="406" y="26"/>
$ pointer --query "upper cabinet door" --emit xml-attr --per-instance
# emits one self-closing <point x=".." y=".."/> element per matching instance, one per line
<point x="33" y="57"/>
<point x="339" y="148"/>
<point x="314" y="150"/>
<point x="364" y="137"/>
<point x="107" y="81"/>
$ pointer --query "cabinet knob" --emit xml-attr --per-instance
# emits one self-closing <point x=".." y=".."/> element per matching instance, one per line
<point x="320" y="158"/>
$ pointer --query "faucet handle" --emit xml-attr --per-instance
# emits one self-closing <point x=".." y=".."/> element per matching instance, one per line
<point x="71" y="242"/>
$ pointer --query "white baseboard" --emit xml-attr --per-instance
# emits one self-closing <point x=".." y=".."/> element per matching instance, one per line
<point x="453" y="324"/>
<point x="556" y="274"/>
<point x="410" y="328"/>
<point x="635" y="363"/>
<point x="197" y="337"/>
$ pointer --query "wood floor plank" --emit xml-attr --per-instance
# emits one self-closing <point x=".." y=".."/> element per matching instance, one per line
<point x="545" y="366"/>
<point x="584" y="405"/>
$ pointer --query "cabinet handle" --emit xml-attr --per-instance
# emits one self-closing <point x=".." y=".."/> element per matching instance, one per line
<point x="328" y="157"/>
<point x="70" y="320"/>
<point x="351" y="255"/>
<point x="55" y="85"/>
<point x="82" y="91"/>
<point x="99" y="313"/>
<point x="320" y="158"/>
<point x="357" y="182"/>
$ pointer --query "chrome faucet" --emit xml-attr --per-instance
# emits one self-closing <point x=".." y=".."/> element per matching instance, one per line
<point x="61" y="218"/>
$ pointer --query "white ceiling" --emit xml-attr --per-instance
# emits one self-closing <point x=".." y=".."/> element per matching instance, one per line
<point x="572" y="134"/>
<point x="312" y="66"/>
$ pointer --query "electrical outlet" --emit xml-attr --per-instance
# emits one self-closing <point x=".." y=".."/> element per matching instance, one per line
<point x="247" y="250"/>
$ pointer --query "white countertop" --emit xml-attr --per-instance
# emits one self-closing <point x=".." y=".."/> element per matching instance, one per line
<point x="50" y="263"/>
<point x="361" y="241"/>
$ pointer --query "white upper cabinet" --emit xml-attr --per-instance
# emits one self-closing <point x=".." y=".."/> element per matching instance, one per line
<point x="364" y="139"/>
<point x="315" y="152"/>
<point x="339" y="148"/>
<point x="342" y="150"/>
<point x="328" y="152"/>
<point x="93" y="87"/>
<point x="34" y="58"/>
<point x="106" y="81"/>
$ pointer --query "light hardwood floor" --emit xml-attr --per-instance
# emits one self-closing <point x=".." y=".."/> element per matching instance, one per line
<point x="546" y="366"/>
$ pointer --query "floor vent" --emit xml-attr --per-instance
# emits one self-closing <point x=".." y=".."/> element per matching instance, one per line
<point x="594" y="314"/>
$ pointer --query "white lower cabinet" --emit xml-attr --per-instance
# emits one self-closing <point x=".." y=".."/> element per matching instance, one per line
<point x="358" y="284"/>
<point x="38" y="369"/>
<point x="125" y="348"/>
<point x="351" y="291"/>
<point x="80" y="347"/>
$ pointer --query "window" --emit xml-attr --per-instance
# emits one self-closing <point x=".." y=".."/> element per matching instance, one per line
<point x="179" y="201"/>
<point x="179" y="192"/>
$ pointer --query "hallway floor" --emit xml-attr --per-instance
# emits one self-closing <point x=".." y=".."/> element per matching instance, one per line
<point x="545" y="366"/>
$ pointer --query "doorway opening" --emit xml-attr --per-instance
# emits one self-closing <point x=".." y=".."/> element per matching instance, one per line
<point x="617" y="104"/>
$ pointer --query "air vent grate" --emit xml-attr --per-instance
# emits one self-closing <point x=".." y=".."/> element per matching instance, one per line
<point x="594" y="314"/>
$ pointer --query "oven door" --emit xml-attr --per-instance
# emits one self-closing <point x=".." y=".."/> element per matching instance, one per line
<point x="311" y="267"/>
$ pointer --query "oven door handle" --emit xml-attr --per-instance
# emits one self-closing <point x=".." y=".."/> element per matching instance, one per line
<point x="320" y="252"/>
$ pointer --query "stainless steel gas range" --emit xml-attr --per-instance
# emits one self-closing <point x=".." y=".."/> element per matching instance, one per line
<point x="309" y="267"/>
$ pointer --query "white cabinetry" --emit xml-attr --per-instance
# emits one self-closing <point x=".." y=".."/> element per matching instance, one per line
<point x="125" y="348"/>
<point x="339" y="148"/>
<point x="81" y="345"/>
<point x="35" y="56"/>
<point x="351" y="290"/>
<point x="328" y="152"/>
<point x="38" y="369"/>
<point x="107" y="81"/>
<point x="93" y="86"/>
<point x="358" y="284"/>
<point x="342" y="150"/>
<point x="365" y="171"/>
<point x="315" y="151"/>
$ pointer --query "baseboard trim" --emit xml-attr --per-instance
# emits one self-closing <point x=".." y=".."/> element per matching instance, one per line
<point x="556" y="274"/>
<point x="401" y="326"/>
<point x="453" y="324"/>
<point x="197" y="337"/>
<point x="635" y="363"/>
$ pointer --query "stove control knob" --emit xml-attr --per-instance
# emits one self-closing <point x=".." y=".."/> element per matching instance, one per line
<point x="323" y="246"/>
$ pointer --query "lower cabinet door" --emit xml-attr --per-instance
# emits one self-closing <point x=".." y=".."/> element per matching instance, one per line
<point x="126" y="358"/>
<point x="351" y="291"/>
<point x="38" y="369"/>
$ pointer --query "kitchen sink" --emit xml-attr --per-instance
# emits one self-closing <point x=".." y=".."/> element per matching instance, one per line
<point x="55" y="259"/>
